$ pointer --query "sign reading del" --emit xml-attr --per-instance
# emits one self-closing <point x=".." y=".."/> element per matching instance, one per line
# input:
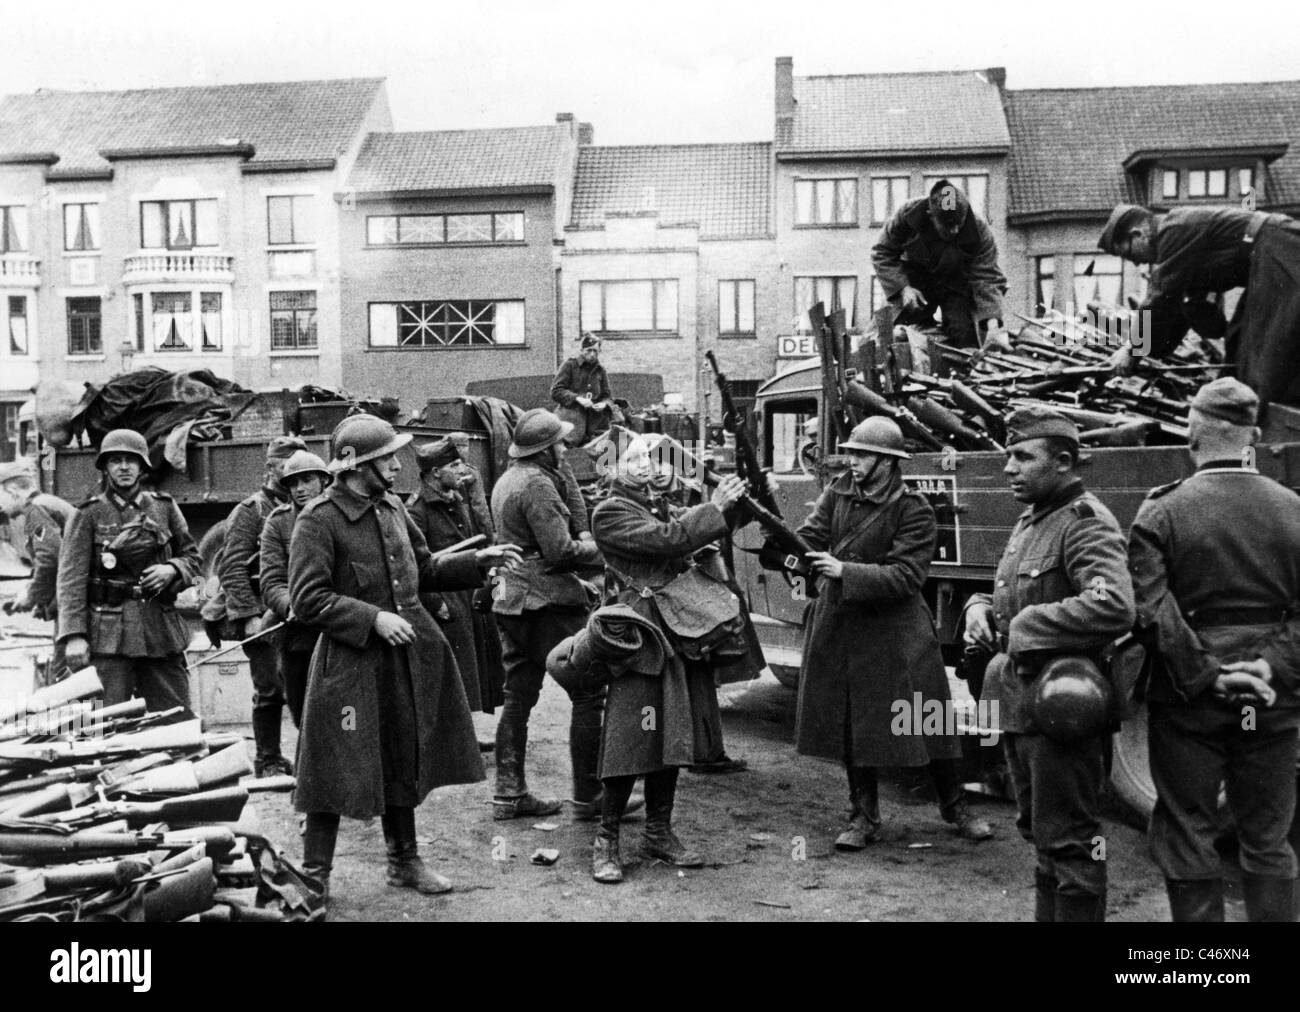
<point x="795" y="346"/>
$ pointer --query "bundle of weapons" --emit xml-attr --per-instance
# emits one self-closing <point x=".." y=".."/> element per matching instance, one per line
<point x="961" y="397"/>
<point x="109" y="813"/>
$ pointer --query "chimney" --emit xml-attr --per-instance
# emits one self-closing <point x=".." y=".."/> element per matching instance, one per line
<point x="567" y="117"/>
<point x="998" y="77"/>
<point x="784" y="133"/>
<point x="586" y="134"/>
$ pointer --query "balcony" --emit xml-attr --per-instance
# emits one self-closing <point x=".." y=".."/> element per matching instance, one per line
<point x="179" y="267"/>
<point x="20" y="270"/>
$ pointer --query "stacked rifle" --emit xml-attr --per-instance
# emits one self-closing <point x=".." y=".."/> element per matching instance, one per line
<point x="112" y="814"/>
<point x="961" y="397"/>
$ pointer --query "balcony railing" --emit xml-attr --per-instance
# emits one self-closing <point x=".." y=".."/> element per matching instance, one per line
<point x="20" y="270"/>
<point x="175" y="266"/>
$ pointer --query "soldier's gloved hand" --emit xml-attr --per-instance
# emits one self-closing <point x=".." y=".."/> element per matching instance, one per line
<point x="505" y="556"/>
<point x="911" y="298"/>
<point x="825" y="564"/>
<point x="157" y="578"/>
<point x="77" y="652"/>
<point x="979" y="626"/>
<point x="393" y="629"/>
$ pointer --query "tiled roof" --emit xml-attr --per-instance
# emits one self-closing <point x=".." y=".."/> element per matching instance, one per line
<point x="460" y="159"/>
<point x="723" y="188"/>
<point x="286" y="121"/>
<point x="1069" y="145"/>
<point x="898" y="112"/>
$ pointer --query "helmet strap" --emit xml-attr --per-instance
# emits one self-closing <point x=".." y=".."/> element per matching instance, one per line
<point x="385" y="483"/>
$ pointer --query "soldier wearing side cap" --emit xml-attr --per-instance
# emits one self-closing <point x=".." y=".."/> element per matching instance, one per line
<point x="238" y="569"/>
<point x="582" y="395"/>
<point x="1062" y="589"/>
<point x="1197" y="253"/>
<point x="1215" y="560"/>
<point x="45" y="517"/>
<point x="126" y="555"/>
<point x="936" y="253"/>
<point x="444" y="517"/>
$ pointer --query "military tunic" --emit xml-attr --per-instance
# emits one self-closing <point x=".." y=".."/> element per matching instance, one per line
<point x="1062" y="587"/>
<point x="45" y="518"/>
<point x="297" y="640"/>
<point x="1216" y="568"/>
<point x="134" y="642"/>
<point x="586" y="379"/>
<point x="382" y="725"/>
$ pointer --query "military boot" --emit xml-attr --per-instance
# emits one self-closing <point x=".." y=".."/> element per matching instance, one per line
<point x="512" y="800"/>
<point x="953" y="805"/>
<point x="1044" y="897"/>
<point x="318" y="840"/>
<point x="606" y="865"/>
<point x="1193" y="900"/>
<point x="1075" y="907"/>
<point x="266" y="740"/>
<point x="1269" y="898"/>
<point x="864" y="820"/>
<point x="405" y="869"/>
<point x="659" y="840"/>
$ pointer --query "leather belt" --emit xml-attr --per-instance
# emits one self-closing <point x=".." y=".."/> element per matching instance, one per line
<point x="113" y="592"/>
<point x="1207" y="617"/>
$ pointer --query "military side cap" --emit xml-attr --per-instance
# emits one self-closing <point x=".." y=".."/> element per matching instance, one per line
<point x="1115" y="224"/>
<point x="590" y="340"/>
<point x="284" y="447"/>
<point x="1039" y="423"/>
<point x="1228" y="399"/>
<point x="439" y="453"/>
<point x="21" y="468"/>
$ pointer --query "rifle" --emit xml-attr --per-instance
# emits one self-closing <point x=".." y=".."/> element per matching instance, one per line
<point x="185" y="735"/>
<point x="939" y="418"/>
<point x="223" y="805"/>
<point x="746" y="456"/>
<point x="871" y="403"/>
<point x="829" y="336"/>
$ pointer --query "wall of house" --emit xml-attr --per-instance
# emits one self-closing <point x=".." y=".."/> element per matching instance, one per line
<point x="408" y="273"/>
<point x="26" y="275"/>
<point x="1070" y="244"/>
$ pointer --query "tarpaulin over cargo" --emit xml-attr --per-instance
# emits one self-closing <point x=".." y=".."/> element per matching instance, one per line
<point x="170" y="409"/>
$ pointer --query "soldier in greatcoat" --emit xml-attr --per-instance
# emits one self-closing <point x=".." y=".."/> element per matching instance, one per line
<point x="126" y="555"/>
<point x="871" y="646"/>
<point x="385" y="720"/>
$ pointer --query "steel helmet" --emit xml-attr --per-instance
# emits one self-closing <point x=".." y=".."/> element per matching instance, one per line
<point x="124" y="441"/>
<point x="1071" y="699"/>
<point x="537" y="429"/>
<point x="877" y="435"/>
<point x="360" y="438"/>
<point x="304" y="462"/>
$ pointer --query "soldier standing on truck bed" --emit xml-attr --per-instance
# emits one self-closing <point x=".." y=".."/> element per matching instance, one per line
<point x="126" y="555"/>
<point x="1216" y="568"/>
<point x="1063" y="592"/>
<point x="581" y="391"/>
<point x="237" y="569"/>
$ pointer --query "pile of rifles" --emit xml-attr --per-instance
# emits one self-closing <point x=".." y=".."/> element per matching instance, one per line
<point x="115" y="814"/>
<point x="960" y="398"/>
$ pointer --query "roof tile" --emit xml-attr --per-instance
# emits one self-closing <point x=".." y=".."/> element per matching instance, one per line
<point x="460" y="159"/>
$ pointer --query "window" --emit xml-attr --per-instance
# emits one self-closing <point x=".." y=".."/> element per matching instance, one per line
<point x="1103" y="284"/>
<point x="877" y="295"/>
<point x="178" y="224"/>
<point x="85" y="336"/>
<point x="1245" y="181"/>
<point x="736" y="308"/>
<point x="1169" y="184"/>
<point x="290" y="220"/>
<point x="173" y="326"/>
<point x="888" y="194"/>
<point x="18" y="325"/>
<point x="80" y="227"/>
<point x="1196" y="183"/>
<point x="976" y="188"/>
<point x="832" y="292"/>
<point x="210" y="320"/>
<point x="431" y="229"/>
<point x="293" y="321"/>
<point x="628" y="306"/>
<point x="1045" y="283"/>
<point x="13" y="229"/>
<point x="825" y="201"/>
<point x="454" y="323"/>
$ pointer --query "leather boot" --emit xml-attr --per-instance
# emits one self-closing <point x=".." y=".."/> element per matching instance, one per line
<point x="512" y="800"/>
<point x="318" y="840"/>
<point x="266" y="740"/>
<point x="953" y="805"/>
<point x="1269" y="898"/>
<point x="1044" y="897"/>
<point x="1195" y="899"/>
<point x="1075" y="907"/>
<point x="864" y="820"/>
<point x="659" y="840"/>
<point x="584" y="754"/>
<point x="405" y="869"/>
<point x="606" y="864"/>
<point x="590" y="811"/>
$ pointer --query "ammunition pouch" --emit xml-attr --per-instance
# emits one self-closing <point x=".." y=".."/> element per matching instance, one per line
<point x="700" y="613"/>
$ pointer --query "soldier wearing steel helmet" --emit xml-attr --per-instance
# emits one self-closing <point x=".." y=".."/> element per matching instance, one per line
<point x="871" y="640"/>
<point x="1062" y="588"/>
<point x="126" y="555"/>
<point x="385" y="719"/>
<point x="1215" y="560"/>
<point x="303" y="478"/>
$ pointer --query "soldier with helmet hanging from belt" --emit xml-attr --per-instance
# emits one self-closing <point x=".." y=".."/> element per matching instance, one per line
<point x="126" y="555"/>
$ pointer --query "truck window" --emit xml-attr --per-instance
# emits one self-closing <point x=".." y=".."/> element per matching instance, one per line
<point x="785" y="432"/>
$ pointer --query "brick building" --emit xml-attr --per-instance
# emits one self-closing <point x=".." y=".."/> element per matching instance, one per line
<point x="179" y="227"/>
<point x="669" y="252"/>
<point x="851" y="149"/>
<point x="449" y="257"/>
<point x="1077" y="152"/>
